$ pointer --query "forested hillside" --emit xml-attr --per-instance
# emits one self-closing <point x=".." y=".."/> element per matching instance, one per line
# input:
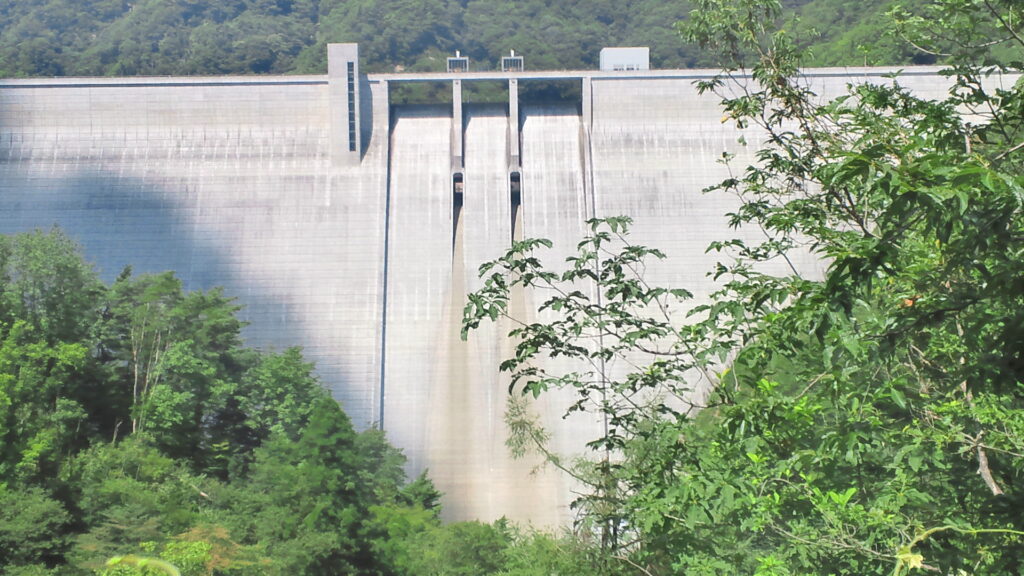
<point x="160" y="37"/>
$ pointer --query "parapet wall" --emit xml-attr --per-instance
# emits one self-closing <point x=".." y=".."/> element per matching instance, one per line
<point x="358" y="250"/>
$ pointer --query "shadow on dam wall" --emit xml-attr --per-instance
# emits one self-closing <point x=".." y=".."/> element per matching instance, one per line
<point x="123" y="220"/>
<point x="118" y="222"/>
<point x="366" y="107"/>
<point x="126" y="222"/>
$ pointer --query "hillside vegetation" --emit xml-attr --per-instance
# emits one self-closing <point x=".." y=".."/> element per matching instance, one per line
<point x="171" y="37"/>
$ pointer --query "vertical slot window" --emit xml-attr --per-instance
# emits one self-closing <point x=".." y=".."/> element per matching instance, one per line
<point x="351" y="107"/>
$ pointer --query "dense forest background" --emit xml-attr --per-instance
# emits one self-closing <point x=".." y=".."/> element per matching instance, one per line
<point x="173" y="37"/>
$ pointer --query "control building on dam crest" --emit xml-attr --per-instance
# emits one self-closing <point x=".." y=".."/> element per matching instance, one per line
<point x="354" y="227"/>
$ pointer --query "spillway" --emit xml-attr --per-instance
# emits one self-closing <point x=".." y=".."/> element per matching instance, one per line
<point x="465" y="433"/>
<point x="556" y="205"/>
<point x="419" y="278"/>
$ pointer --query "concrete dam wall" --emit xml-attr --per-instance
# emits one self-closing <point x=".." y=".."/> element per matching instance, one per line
<point x="354" y="228"/>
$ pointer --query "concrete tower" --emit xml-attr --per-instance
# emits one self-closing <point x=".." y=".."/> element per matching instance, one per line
<point x="343" y="78"/>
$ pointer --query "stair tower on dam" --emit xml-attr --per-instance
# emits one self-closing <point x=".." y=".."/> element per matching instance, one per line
<point x="354" y="227"/>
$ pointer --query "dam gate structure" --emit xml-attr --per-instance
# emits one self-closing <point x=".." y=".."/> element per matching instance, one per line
<point x="354" y="227"/>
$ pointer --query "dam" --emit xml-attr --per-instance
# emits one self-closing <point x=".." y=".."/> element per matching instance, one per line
<point x="354" y="227"/>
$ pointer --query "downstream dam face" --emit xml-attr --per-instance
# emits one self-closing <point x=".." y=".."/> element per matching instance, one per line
<point x="354" y="228"/>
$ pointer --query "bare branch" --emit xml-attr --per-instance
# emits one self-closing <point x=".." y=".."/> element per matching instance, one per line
<point x="986" y="472"/>
<point x="633" y="564"/>
<point x="1010" y="151"/>
<point x="1003" y="21"/>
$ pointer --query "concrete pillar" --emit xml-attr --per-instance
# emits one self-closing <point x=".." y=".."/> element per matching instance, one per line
<point x="586" y="158"/>
<point x="588" y="103"/>
<point x="513" y="123"/>
<point x="343" y="90"/>
<point x="382" y="115"/>
<point x="457" y="125"/>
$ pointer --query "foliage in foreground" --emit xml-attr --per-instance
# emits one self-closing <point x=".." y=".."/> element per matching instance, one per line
<point x="868" y="422"/>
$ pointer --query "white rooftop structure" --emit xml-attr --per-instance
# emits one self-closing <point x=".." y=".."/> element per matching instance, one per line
<point x="626" y="58"/>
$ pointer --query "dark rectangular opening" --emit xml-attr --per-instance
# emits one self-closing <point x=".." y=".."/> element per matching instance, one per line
<point x="456" y="207"/>
<point x="515" y="188"/>
<point x="515" y="192"/>
<point x="457" y="189"/>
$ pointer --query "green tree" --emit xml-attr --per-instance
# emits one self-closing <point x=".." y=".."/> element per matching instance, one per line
<point x="39" y="420"/>
<point x="175" y="356"/>
<point x="129" y="493"/>
<point x="176" y="559"/>
<point x="307" y="501"/>
<point x="457" y="549"/>
<point x="47" y="304"/>
<point x="45" y="282"/>
<point x="278" y="394"/>
<point x="32" y="528"/>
